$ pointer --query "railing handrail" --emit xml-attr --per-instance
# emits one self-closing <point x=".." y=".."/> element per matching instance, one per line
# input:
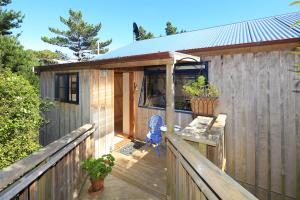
<point x="47" y="155"/>
<point x="223" y="186"/>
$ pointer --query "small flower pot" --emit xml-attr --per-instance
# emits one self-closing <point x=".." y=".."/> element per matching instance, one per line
<point x="204" y="106"/>
<point x="97" y="186"/>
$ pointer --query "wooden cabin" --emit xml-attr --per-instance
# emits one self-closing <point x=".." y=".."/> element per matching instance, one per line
<point x="250" y="62"/>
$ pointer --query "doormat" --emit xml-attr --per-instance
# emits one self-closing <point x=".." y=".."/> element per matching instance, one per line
<point x="129" y="148"/>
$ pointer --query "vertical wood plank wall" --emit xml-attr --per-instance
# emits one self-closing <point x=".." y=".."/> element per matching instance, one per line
<point x="95" y="106"/>
<point x="64" y="117"/>
<point x="143" y="114"/>
<point x="262" y="128"/>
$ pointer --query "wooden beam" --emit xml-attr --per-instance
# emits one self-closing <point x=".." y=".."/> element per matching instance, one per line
<point x="18" y="169"/>
<point x="15" y="188"/>
<point x="208" y="177"/>
<point x="170" y="92"/>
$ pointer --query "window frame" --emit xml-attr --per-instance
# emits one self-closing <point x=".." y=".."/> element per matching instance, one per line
<point x="67" y="87"/>
<point x="147" y="71"/>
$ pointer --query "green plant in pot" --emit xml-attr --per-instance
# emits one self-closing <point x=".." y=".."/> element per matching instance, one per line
<point x="98" y="169"/>
<point x="204" y="97"/>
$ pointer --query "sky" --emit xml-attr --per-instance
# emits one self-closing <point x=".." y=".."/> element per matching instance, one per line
<point x="117" y="16"/>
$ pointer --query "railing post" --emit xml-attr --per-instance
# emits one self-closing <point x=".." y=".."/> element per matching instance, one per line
<point x="170" y="91"/>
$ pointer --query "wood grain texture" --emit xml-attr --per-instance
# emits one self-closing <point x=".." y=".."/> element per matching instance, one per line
<point x="261" y="130"/>
<point x="55" y="177"/>
<point x="64" y="117"/>
<point x="194" y="172"/>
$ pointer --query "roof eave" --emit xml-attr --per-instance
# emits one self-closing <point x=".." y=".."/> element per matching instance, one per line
<point x="141" y="60"/>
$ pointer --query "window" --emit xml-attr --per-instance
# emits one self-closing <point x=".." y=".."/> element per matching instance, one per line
<point x="153" y="93"/>
<point x="67" y="87"/>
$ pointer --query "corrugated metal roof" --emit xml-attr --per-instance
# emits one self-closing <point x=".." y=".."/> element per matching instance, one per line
<point x="253" y="31"/>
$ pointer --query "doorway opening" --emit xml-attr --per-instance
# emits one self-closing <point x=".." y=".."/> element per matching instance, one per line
<point x="124" y="89"/>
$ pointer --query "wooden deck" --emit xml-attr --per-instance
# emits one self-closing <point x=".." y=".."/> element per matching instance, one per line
<point x="117" y="189"/>
<point x="143" y="173"/>
<point x="143" y="169"/>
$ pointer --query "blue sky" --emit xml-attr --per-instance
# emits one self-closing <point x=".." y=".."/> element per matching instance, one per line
<point x="117" y="16"/>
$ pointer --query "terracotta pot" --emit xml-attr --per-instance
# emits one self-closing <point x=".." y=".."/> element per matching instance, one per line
<point x="97" y="185"/>
<point x="204" y="105"/>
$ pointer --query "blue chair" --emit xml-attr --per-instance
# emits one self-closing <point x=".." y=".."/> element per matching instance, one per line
<point x="154" y="134"/>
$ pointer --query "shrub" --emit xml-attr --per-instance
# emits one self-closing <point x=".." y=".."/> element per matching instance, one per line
<point x="99" y="168"/>
<point x="200" y="89"/>
<point x="19" y="118"/>
<point x="14" y="58"/>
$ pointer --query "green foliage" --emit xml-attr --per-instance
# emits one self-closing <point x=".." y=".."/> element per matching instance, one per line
<point x="170" y="29"/>
<point x="100" y="167"/>
<point x="80" y="36"/>
<point x="19" y="118"/>
<point x="9" y="19"/>
<point x="200" y="89"/>
<point x="14" y="58"/>
<point x="144" y="35"/>
<point x="47" y="57"/>
<point x="45" y="106"/>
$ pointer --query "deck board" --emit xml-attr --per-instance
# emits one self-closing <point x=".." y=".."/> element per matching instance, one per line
<point x="143" y="169"/>
<point x="117" y="189"/>
<point x="141" y="175"/>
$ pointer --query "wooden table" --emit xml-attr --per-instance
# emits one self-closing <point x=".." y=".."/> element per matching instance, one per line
<point x="206" y="134"/>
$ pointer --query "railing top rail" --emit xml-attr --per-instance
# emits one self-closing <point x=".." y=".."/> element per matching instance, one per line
<point x="223" y="185"/>
<point x="12" y="173"/>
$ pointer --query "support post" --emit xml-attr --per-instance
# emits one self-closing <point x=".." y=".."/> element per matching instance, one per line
<point x="170" y="92"/>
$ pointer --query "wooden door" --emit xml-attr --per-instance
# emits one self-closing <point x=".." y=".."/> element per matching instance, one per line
<point x="132" y="89"/>
<point x="118" y="99"/>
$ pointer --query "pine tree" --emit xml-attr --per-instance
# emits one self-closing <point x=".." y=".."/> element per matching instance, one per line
<point x="144" y="35"/>
<point x="81" y="37"/>
<point x="9" y="19"/>
<point x="170" y="29"/>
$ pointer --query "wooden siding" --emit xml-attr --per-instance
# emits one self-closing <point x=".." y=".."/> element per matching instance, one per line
<point x="64" y="117"/>
<point x="102" y="109"/>
<point x="192" y="176"/>
<point x="95" y="106"/>
<point x="263" y="120"/>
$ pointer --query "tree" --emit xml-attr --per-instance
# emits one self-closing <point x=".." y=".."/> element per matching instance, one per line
<point x="9" y="19"/>
<point x="19" y="118"/>
<point x="170" y="29"/>
<point x="47" y="57"/>
<point x="80" y="36"/>
<point x="13" y="57"/>
<point x="143" y="34"/>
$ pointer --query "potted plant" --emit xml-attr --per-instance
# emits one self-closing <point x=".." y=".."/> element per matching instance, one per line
<point x="97" y="170"/>
<point x="204" y="96"/>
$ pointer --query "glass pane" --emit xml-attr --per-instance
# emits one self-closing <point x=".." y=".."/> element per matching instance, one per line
<point x="61" y="80"/>
<point x="156" y="90"/>
<point x="153" y="93"/>
<point x="74" y="97"/>
<point x="182" y="100"/>
<point x="61" y="93"/>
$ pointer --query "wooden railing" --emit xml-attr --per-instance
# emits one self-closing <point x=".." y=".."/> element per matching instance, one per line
<point x="54" y="172"/>
<point x="192" y="176"/>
